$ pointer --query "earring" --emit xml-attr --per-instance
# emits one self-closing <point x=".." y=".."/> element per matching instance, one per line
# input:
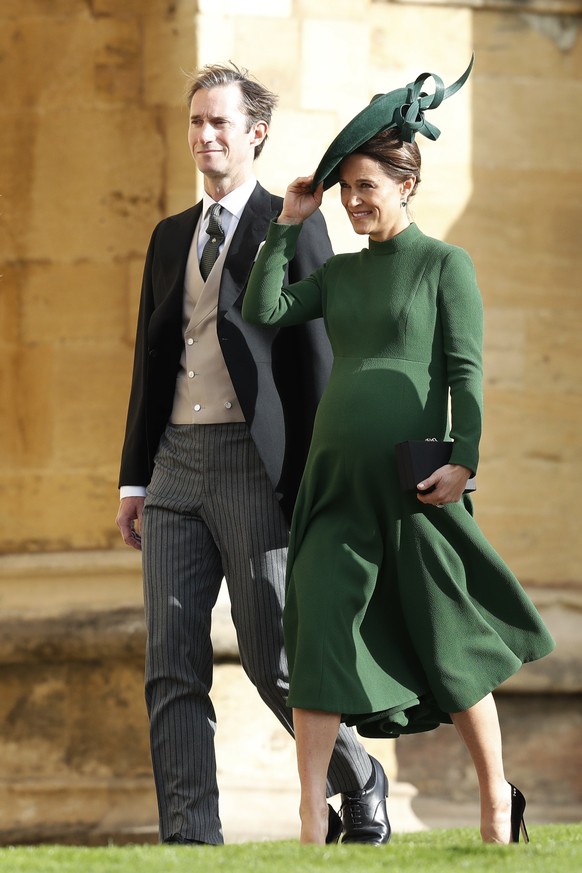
<point x="403" y="203"/>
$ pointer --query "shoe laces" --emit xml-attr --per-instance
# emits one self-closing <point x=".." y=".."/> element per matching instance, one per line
<point x="353" y="806"/>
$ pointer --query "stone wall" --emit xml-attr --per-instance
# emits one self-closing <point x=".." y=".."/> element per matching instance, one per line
<point x="93" y="154"/>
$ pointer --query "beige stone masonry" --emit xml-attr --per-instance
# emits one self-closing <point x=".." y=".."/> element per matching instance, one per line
<point x="334" y="10"/>
<point x="278" y="64"/>
<point x="262" y="8"/>
<point x="80" y="302"/>
<point x="541" y="7"/>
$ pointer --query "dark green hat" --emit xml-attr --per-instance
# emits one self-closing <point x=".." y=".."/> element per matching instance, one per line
<point x="403" y="108"/>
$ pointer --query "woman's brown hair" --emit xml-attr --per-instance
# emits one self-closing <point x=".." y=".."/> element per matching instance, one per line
<point x="399" y="160"/>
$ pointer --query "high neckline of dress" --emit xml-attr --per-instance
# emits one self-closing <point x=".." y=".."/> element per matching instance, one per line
<point x="402" y="240"/>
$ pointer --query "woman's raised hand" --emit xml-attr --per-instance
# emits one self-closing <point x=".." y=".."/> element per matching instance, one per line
<point x="300" y="201"/>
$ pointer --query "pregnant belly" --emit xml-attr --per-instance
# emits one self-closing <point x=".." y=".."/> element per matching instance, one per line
<point x="379" y="401"/>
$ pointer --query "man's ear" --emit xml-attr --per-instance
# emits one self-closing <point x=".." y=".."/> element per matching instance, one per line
<point x="260" y="130"/>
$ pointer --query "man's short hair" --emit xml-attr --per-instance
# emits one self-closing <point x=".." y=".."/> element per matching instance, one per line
<point x="257" y="102"/>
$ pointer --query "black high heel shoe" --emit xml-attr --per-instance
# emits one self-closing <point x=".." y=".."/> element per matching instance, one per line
<point x="335" y="825"/>
<point x="517" y="820"/>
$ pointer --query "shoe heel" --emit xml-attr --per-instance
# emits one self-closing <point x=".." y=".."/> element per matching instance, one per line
<point x="518" y="805"/>
<point x="334" y="826"/>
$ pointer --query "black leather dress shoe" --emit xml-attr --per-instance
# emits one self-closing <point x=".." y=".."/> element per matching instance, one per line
<point x="363" y="812"/>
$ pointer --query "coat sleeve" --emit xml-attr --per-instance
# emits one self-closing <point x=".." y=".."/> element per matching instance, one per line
<point x="135" y="468"/>
<point x="461" y="311"/>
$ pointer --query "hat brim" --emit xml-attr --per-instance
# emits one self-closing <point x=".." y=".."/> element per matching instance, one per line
<point x="403" y="108"/>
<point x="374" y="118"/>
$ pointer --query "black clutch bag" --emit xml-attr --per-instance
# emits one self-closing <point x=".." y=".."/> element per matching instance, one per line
<point x="418" y="459"/>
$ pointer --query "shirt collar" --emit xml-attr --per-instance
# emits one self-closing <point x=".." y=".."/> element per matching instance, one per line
<point x="235" y="201"/>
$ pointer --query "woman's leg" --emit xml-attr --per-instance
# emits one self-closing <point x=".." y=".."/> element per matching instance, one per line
<point x="315" y="736"/>
<point x="479" y="728"/>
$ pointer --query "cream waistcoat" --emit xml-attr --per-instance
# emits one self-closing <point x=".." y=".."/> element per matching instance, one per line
<point x="204" y="391"/>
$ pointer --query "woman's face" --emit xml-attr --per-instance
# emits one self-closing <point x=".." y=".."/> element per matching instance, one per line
<point x="371" y="199"/>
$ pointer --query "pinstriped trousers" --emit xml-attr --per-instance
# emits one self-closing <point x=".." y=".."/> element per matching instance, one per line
<point x="210" y="512"/>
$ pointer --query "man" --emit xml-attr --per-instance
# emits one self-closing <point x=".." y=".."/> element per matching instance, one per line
<point x="219" y="422"/>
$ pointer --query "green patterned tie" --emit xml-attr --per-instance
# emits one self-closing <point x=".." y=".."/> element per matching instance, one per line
<point x="216" y="234"/>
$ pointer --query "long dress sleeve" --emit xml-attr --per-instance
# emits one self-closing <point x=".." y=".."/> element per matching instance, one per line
<point x="267" y="300"/>
<point x="461" y="312"/>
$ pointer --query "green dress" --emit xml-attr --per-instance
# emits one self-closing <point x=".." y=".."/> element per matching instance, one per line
<point x="397" y="614"/>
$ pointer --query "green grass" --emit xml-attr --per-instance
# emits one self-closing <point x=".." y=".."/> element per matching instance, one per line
<point x="554" y="849"/>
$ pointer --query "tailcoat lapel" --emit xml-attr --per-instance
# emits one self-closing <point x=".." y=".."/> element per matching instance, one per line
<point x="250" y="233"/>
<point x="170" y="264"/>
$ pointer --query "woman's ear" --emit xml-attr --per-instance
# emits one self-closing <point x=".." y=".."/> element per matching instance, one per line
<point x="408" y="186"/>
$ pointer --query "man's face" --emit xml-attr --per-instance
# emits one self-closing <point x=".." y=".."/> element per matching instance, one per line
<point x="220" y="142"/>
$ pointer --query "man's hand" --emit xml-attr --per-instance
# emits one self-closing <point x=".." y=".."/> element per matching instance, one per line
<point x="129" y="520"/>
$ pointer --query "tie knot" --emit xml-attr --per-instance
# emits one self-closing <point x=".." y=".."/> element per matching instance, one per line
<point x="214" y="225"/>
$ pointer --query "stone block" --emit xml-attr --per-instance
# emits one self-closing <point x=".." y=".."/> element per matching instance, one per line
<point x="109" y="195"/>
<point x="82" y="302"/>
<point x="17" y="9"/>
<point x="39" y="588"/>
<point x="266" y="8"/>
<point x="504" y="348"/>
<point x="63" y="769"/>
<point x="342" y="84"/>
<point x="443" y="42"/>
<point x="531" y="537"/>
<point x="554" y="353"/>
<point x="535" y="122"/>
<point x="526" y="479"/>
<point x="88" y="60"/>
<point x="61" y="509"/>
<point x="136" y="8"/>
<point x="215" y="39"/>
<point x="537" y="426"/>
<point x="523" y="263"/>
<point x="26" y="401"/>
<point x="278" y="64"/>
<point x="332" y="10"/>
<point x="89" y="418"/>
<point x="12" y="278"/>
<point x="16" y="160"/>
<point x="169" y="49"/>
<point x="504" y="43"/>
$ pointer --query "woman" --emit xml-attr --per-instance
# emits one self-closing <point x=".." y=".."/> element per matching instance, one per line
<point x="399" y="614"/>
